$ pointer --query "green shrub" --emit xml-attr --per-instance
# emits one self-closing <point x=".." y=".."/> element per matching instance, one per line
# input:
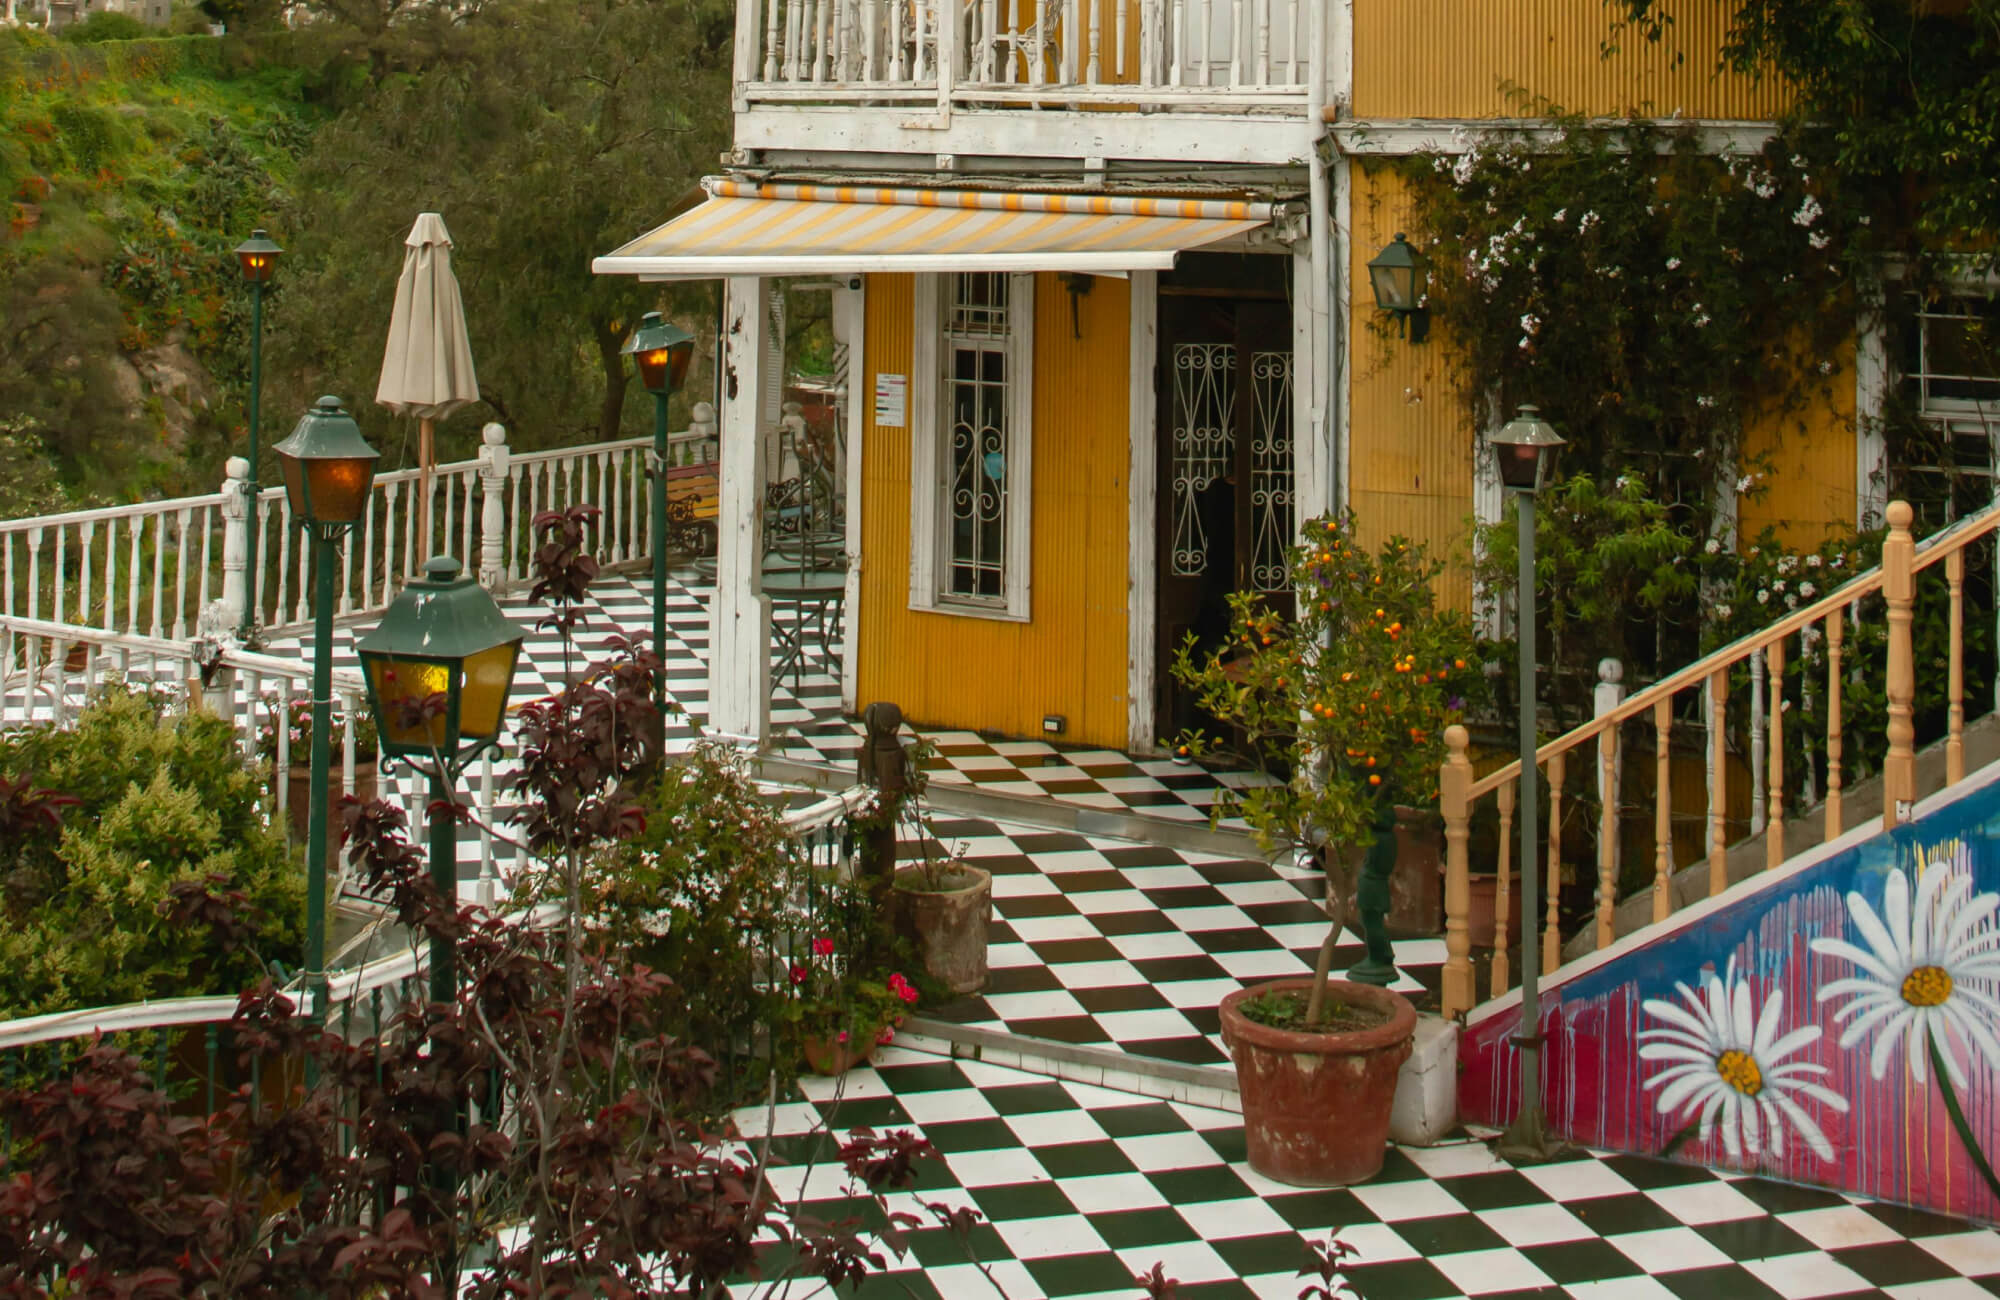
<point x="107" y="26"/>
<point x="163" y="798"/>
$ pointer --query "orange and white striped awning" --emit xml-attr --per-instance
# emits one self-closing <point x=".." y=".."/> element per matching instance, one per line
<point x="750" y="229"/>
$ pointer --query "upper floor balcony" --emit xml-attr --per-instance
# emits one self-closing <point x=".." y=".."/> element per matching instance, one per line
<point x="1209" y="80"/>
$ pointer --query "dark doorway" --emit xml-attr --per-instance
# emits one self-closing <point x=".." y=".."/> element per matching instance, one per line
<point x="1224" y="516"/>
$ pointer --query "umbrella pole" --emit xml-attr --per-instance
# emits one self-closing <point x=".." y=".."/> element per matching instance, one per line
<point x="426" y="460"/>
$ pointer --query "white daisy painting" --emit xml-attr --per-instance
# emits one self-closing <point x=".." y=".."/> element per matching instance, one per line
<point x="1729" y="1067"/>
<point x="1925" y="972"/>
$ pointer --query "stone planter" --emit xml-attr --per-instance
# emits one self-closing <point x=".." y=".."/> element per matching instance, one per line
<point x="1416" y="888"/>
<point x="947" y="926"/>
<point x="1316" y="1105"/>
<point x="298" y="795"/>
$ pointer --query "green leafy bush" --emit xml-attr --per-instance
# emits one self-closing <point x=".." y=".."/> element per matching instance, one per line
<point x="109" y="25"/>
<point x="162" y="798"/>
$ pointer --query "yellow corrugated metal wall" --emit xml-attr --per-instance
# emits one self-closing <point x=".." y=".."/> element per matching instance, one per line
<point x="1805" y="464"/>
<point x="948" y="671"/>
<point x="1410" y="444"/>
<point x="1466" y="58"/>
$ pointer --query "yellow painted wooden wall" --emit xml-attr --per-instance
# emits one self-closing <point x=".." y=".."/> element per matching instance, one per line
<point x="948" y="671"/>
<point x="1410" y="442"/>
<point x="1804" y="464"/>
<point x="1461" y="58"/>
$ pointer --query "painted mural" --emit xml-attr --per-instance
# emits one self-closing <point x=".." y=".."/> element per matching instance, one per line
<point x="1836" y="1023"/>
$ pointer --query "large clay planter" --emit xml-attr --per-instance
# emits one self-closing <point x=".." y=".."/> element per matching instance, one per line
<point x="825" y="1055"/>
<point x="947" y="926"/>
<point x="1479" y="919"/>
<point x="1416" y="887"/>
<point x="298" y="794"/>
<point x="1316" y="1106"/>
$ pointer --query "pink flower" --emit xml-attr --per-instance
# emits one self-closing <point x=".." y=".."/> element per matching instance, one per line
<point x="840" y="1037"/>
<point x="907" y="993"/>
<point x="887" y="1035"/>
<point x="822" y="947"/>
<point x="798" y="974"/>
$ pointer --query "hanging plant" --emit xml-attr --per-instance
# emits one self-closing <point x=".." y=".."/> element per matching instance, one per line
<point x="1651" y="299"/>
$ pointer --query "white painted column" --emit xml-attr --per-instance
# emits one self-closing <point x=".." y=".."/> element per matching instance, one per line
<point x="739" y="642"/>
<point x="1141" y="514"/>
<point x="1313" y="491"/>
<point x="850" y="317"/>
<point x="494" y="463"/>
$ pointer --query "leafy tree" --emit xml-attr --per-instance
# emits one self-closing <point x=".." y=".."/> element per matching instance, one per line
<point x="1908" y="90"/>
<point x="109" y="25"/>
<point x="545" y="135"/>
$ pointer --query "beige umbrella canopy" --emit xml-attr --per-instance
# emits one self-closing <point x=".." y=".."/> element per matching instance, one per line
<point x="427" y="365"/>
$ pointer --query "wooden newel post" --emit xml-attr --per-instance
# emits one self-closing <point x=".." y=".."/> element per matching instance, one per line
<point x="1454" y="801"/>
<point x="1899" y="589"/>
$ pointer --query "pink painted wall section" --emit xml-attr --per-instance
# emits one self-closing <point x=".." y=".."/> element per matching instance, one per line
<point x="1794" y="1028"/>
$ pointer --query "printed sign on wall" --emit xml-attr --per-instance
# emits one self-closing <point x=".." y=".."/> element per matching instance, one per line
<point x="891" y="400"/>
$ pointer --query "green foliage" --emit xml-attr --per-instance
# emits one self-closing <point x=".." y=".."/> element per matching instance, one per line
<point x="1352" y="696"/>
<point x="1650" y="299"/>
<point x="1286" y="1009"/>
<point x="163" y="799"/>
<point x="1610" y="564"/>
<point x="545" y="135"/>
<point x="108" y="25"/>
<point x="1905" y="93"/>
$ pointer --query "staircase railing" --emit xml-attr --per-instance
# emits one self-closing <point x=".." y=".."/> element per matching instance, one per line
<point x="1820" y="630"/>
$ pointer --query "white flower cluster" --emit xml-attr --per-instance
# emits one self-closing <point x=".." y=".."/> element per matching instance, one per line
<point x="1673" y="264"/>
<point x="1585" y="222"/>
<point x="1700" y="318"/>
<point x="1704" y="401"/>
<point x="1761" y="183"/>
<point x="1531" y="324"/>
<point x="1809" y="212"/>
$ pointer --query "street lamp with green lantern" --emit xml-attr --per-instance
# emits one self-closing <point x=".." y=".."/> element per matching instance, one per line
<point x="662" y="353"/>
<point x="438" y="668"/>
<point x="328" y="469"/>
<point x="1525" y="449"/>
<point x="257" y="257"/>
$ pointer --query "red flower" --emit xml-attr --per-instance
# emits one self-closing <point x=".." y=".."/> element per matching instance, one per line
<point x="798" y="974"/>
<point x="840" y="1037"/>
<point x="822" y="947"/>
<point x="887" y="1035"/>
<point x="907" y="993"/>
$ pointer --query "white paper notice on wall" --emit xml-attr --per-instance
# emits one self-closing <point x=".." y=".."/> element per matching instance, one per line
<point x="891" y="400"/>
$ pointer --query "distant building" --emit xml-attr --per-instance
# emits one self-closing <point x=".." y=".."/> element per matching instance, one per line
<point x="58" y="14"/>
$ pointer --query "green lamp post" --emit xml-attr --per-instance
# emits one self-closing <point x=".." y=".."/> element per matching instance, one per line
<point x="257" y="257"/>
<point x="1526" y="448"/>
<point x="328" y="469"/>
<point x="438" y="669"/>
<point x="661" y="353"/>
<point x="1396" y="274"/>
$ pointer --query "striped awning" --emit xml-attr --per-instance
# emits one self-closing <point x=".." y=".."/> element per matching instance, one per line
<point x="751" y="229"/>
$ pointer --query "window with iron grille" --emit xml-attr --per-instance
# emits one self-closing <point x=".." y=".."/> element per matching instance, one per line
<point x="970" y="481"/>
<point x="1949" y="361"/>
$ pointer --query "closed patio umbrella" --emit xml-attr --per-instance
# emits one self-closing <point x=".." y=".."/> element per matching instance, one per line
<point x="427" y="365"/>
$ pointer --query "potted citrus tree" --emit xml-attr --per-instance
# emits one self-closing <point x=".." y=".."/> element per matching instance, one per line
<point x="1346" y="697"/>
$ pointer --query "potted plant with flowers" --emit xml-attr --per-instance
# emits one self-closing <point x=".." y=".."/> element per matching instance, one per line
<point x="1347" y="697"/>
<point x="841" y="1010"/>
<point x="297" y="718"/>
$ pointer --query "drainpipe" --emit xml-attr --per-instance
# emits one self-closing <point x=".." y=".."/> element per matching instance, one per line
<point x="1321" y="243"/>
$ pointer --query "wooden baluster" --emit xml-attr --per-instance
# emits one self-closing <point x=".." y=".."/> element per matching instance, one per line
<point x="86" y="534"/>
<point x="770" y="41"/>
<point x="368" y="554"/>
<point x="1263" y="42"/>
<point x="1718" y="782"/>
<point x="1207" y="40"/>
<point x="1552" y="934"/>
<point x="517" y="558"/>
<point x="1663" y="811"/>
<point x="282" y="783"/>
<point x="1122" y="34"/>
<point x="1607" y="837"/>
<point x="1954" y="744"/>
<point x="7" y="580"/>
<point x="258" y="530"/>
<point x="1092" y="75"/>
<point x="157" y="626"/>
<point x="1180" y="39"/>
<point x="1899" y="589"/>
<point x="1296" y="65"/>
<point x="1836" y="630"/>
<point x="1235" y="42"/>
<point x="467" y="480"/>
<point x="207" y="556"/>
<point x="1454" y="800"/>
<point x="1774" y="789"/>
<point x="181" y="575"/>
<point x="59" y="578"/>
<point x="1503" y="889"/>
<point x="135" y="560"/>
<point x="280" y="604"/>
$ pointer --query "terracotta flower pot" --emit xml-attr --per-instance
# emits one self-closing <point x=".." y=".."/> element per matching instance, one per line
<point x="298" y="795"/>
<point x="828" y="1056"/>
<point x="1316" y="1105"/>
<point x="1479" y="918"/>
<point x="947" y="926"/>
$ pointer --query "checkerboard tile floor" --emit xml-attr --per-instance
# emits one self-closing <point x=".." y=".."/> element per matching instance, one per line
<point x="1133" y="946"/>
<point x="1083" y="1187"/>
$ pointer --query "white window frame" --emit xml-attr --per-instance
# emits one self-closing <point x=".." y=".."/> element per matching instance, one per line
<point x="930" y="460"/>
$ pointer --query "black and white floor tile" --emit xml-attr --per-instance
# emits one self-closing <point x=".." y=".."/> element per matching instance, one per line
<point x="1132" y="946"/>
<point x="1083" y="1188"/>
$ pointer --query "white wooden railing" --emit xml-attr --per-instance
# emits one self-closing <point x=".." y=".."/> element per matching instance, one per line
<point x="177" y="569"/>
<point x="990" y="52"/>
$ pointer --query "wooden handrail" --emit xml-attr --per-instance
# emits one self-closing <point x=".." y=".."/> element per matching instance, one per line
<point x="1933" y="549"/>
